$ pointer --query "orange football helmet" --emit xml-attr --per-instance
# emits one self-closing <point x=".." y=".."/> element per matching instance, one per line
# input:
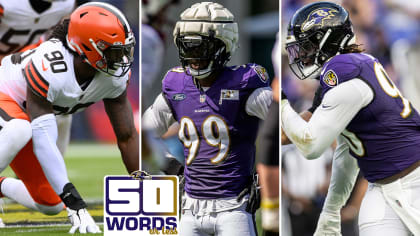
<point x="100" y="33"/>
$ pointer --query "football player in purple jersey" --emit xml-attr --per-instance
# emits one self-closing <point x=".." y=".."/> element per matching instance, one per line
<point x="376" y="128"/>
<point x="218" y="109"/>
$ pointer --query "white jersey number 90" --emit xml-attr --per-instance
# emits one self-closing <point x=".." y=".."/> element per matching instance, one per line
<point x="214" y="131"/>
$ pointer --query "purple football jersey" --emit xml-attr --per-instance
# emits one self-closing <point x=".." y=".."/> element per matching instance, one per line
<point x="217" y="133"/>
<point x="384" y="136"/>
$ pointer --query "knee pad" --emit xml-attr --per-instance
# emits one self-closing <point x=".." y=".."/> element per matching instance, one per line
<point x="50" y="210"/>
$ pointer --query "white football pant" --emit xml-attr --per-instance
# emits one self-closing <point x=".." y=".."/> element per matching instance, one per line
<point x="236" y="222"/>
<point x="377" y="215"/>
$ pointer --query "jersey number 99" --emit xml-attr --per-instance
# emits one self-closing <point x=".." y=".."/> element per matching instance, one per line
<point x="214" y="131"/>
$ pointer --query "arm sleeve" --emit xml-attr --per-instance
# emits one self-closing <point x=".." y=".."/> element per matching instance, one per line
<point x="158" y="117"/>
<point x="44" y="133"/>
<point x="343" y="178"/>
<point x="258" y="102"/>
<point x="337" y="109"/>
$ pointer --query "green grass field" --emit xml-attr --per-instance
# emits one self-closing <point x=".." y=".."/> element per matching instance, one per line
<point x="87" y="164"/>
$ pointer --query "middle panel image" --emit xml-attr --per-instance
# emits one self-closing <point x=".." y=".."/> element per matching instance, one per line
<point x="206" y="91"/>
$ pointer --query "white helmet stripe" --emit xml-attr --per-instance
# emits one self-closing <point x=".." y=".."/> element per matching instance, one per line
<point x="115" y="11"/>
<point x="208" y="21"/>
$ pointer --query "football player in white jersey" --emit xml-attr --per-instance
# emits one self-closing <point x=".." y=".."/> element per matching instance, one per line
<point x="87" y="59"/>
<point x="23" y="23"/>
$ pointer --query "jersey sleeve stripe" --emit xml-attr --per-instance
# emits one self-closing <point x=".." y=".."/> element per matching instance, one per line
<point x="32" y="83"/>
<point x="41" y="81"/>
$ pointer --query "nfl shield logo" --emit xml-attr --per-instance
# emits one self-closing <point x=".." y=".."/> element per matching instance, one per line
<point x="202" y="98"/>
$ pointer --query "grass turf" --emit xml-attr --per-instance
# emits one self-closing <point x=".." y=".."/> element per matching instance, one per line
<point x="87" y="164"/>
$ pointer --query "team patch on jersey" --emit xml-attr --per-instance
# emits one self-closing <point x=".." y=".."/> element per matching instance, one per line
<point x="179" y="97"/>
<point x="228" y="94"/>
<point x="330" y="78"/>
<point x="261" y="72"/>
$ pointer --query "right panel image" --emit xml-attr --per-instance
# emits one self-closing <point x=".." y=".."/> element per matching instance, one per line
<point x="350" y="127"/>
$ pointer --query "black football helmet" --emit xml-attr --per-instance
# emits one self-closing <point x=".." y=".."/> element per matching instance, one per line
<point x="317" y="32"/>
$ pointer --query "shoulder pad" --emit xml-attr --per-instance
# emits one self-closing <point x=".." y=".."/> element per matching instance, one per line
<point x="261" y="73"/>
<point x="254" y="76"/>
<point x="174" y="72"/>
<point x="339" y="69"/>
<point x="178" y="69"/>
<point x="47" y="65"/>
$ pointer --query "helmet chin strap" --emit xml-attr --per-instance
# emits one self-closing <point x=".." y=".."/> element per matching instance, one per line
<point x="201" y="74"/>
<point x="312" y="72"/>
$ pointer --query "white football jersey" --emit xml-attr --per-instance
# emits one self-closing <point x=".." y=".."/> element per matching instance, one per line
<point x="21" y="25"/>
<point x="49" y="71"/>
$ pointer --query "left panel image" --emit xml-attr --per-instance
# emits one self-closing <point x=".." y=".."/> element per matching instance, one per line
<point x="69" y="101"/>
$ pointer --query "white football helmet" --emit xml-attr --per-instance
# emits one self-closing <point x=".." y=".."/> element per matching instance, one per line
<point x="206" y="32"/>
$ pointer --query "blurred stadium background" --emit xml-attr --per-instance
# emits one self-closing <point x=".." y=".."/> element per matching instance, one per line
<point x="388" y="30"/>
<point x="92" y="154"/>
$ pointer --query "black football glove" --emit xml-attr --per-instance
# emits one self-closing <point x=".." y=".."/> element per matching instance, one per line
<point x="79" y="217"/>
<point x="283" y="95"/>
<point x="317" y="100"/>
<point x="173" y="167"/>
<point x="254" y="199"/>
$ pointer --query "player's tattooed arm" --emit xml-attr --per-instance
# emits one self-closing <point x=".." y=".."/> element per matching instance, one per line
<point x="121" y="117"/>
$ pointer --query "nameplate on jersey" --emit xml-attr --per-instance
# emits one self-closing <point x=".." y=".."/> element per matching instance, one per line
<point x="228" y="94"/>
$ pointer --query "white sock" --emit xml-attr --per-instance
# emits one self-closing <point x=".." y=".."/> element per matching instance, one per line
<point x="16" y="190"/>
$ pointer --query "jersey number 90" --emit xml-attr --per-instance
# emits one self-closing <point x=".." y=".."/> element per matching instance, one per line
<point x="390" y="89"/>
